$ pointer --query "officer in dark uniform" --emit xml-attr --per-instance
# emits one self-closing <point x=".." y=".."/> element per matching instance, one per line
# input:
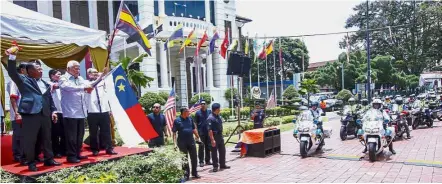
<point x="200" y="120"/>
<point x="185" y="142"/>
<point x="158" y="121"/>
<point x="215" y="126"/>
<point x="258" y="115"/>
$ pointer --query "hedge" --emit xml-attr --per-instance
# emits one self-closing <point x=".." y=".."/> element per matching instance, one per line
<point x="206" y="96"/>
<point x="150" y="98"/>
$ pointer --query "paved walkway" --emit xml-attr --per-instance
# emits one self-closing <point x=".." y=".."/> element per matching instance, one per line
<point x="417" y="160"/>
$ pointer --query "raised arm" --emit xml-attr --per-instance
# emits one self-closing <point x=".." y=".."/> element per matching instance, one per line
<point x="12" y="71"/>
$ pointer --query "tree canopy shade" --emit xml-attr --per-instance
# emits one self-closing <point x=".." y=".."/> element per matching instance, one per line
<point x="415" y="40"/>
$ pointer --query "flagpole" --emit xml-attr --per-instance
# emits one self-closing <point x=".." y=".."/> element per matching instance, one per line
<point x="185" y="66"/>
<point x="274" y="71"/>
<point x="282" y="71"/>
<point x="267" y="74"/>
<point x="256" y="60"/>
<point x="170" y="67"/>
<point x="303" y="59"/>
<point x="231" y="76"/>
<point x="124" y="48"/>
<point x="111" y="39"/>
<point x="198" y="72"/>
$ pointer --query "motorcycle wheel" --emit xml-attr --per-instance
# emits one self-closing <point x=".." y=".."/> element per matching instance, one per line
<point x="372" y="151"/>
<point x="343" y="133"/>
<point x="415" y="124"/>
<point x="439" y="117"/>
<point x="430" y="123"/>
<point x="303" y="149"/>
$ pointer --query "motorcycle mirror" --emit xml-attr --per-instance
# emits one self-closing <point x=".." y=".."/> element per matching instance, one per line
<point x="294" y="121"/>
<point x="323" y="114"/>
<point x="385" y="121"/>
<point x="358" y="121"/>
<point x="315" y="121"/>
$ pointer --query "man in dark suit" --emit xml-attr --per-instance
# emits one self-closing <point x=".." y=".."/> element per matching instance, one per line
<point x="36" y="108"/>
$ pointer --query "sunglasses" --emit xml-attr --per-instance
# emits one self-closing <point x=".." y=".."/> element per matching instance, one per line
<point x="156" y="107"/>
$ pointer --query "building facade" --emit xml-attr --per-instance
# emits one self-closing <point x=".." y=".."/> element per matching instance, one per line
<point x="167" y="67"/>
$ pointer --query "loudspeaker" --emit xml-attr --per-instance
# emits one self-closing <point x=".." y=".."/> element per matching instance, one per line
<point x="238" y="64"/>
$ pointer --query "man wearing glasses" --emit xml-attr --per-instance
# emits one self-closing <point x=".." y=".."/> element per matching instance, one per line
<point x="158" y="121"/>
<point x="200" y="120"/>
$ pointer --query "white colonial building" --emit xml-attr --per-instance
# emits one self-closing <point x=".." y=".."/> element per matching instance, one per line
<point x="165" y="67"/>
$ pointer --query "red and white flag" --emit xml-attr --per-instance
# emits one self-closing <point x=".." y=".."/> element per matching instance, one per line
<point x="225" y="44"/>
<point x="200" y="43"/>
<point x="271" y="103"/>
<point x="170" y="111"/>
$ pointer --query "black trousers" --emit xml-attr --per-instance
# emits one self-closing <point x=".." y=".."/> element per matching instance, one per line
<point x="220" y="149"/>
<point x="17" y="140"/>
<point x="189" y="149"/>
<point x="256" y="126"/>
<point x="58" y="136"/>
<point x="36" y="128"/>
<point x="156" y="142"/>
<point x="99" y="122"/>
<point x="204" y="149"/>
<point x="74" y="133"/>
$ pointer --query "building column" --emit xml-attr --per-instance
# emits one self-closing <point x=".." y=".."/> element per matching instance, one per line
<point x="209" y="67"/>
<point x="66" y="11"/>
<point x="93" y="16"/>
<point x="45" y="7"/>
<point x="191" y="78"/>
<point x="164" y="69"/>
<point x="207" y="8"/>
<point x="149" y="64"/>
<point x="183" y="82"/>
<point x="161" y="8"/>
<point x="110" y="10"/>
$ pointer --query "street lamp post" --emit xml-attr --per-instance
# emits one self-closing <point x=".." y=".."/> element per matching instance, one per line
<point x="368" y="57"/>
<point x="342" y="73"/>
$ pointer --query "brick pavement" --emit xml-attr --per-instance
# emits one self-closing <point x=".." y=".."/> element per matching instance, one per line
<point x="407" y="166"/>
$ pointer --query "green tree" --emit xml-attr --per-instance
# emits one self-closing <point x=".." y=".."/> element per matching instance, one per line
<point x="290" y="93"/>
<point x="344" y="95"/>
<point x="206" y="96"/>
<point x="136" y="78"/>
<point x="415" y="41"/>
<point x="309" y="86"/>
<point x="150" y="98"/>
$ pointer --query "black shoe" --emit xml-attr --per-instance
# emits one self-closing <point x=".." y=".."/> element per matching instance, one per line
<point x="57" y="156"/>
<point x="201" y="164"/>
<point x="186" y="178"/>
<point x="32" y="167"/>
<point x="209" y="163"/>
<point x="23" y="162"/>
<point x="215" y="169"/>
<point x="17" y="159"/>
<point x="81" y="157"/>
<point x="73" y="160"/>
<point x="393" y="152"/>
<point x="408" y="137"/>
<point x="51" y="163"/>
<point x="196" y="176"/>
<point x="111" y="152"/>
<point x="95" y="153"/>
<point x="225" y="167"/>
<point x="39" y="160"/>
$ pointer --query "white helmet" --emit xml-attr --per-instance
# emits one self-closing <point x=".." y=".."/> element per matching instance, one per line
<point x="376" y="104"/>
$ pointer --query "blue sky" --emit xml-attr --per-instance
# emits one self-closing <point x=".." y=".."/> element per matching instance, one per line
<point x="300" y="17"/>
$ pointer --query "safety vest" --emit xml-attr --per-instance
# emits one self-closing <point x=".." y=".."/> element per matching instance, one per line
<point x="323" y="105"/>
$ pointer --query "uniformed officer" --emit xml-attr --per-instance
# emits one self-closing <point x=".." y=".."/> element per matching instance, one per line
<point x="158" y="121"/>
<point x="215" y="126"/>
<point x="200" y="120"/>
<point x="185" y="142"/>
<point x="258" y="115"/>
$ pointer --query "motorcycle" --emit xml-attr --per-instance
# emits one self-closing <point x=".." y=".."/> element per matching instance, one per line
<point x="373" y="134"/>
<point x="422" y="117"/>
<point x="306" y="132"/>
<point x="348" y="123"/>
<point x="398" y="121"/>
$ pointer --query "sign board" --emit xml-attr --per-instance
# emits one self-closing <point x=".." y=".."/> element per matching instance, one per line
<point x="297" y="80"/>
<point x="256" y="92"/>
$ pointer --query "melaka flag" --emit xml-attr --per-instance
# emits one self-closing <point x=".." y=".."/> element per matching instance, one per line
<point x="225" y="45"/>
<point x="132" y="124"/>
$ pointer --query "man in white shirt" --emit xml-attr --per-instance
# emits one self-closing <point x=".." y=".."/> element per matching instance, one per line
<point x="98" y="116"/>
<point x="15" y="117"/>
<point x="57" y="129"/>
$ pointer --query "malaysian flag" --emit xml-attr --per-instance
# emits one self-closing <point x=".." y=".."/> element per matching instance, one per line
<point x="195" y="107"/>
<point x="271" y="103"/>
<point x="170" y="111"/>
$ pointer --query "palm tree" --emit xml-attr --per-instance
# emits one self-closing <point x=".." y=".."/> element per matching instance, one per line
<point x="309" y="86"/>
<point x="136" y="78"/>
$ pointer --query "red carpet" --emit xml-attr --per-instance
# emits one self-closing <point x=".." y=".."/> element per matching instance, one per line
<point x="6" y="150"/>
<point x="16" y="168"/>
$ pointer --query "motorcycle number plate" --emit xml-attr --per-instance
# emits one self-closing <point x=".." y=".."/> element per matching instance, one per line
<point x="304" y="138"/>
<point x="372" y="140"/>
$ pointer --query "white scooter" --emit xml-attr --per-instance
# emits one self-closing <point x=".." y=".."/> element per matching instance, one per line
<point x="306" y="132"/>
<point x="373" y="134"/>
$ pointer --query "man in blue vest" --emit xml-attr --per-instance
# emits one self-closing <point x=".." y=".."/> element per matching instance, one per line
<point x="158" y="121"/>
<point x="200" y="120"/>
<point x="215" y="126"/>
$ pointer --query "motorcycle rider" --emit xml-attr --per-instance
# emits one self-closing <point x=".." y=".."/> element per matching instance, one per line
<point x="354" y="107"/>
<point x="402" y="107"/>
<point x="317" y="112"/>
<point x="377" y="104"/>
<point x="387" y="102"/>
<point x="364" y="105"/>
<point x="412" y="96"/>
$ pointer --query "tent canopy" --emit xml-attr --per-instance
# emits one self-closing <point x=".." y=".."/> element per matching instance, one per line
<point x="49" y="39"/>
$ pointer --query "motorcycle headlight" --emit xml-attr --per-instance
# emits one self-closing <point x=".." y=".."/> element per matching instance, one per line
<point x="375" y="130"/>
<point x="367" y="130"/>
<point x="315" y="121"/>
<point x="306" y="129"/>
<point x="358" y="121"/>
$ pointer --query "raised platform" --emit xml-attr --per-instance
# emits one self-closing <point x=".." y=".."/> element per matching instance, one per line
<point x="17" y="169"/>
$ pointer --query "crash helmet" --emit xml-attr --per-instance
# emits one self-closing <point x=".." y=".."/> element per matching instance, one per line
<point x="351" y="101"/>
<point x="399" y="100"/>
<point x="433" y="97"/>
<point x="420" y="97"/>
<point x="376" y="104"/>
<point x="364" y="102"/>
<point x="314" y="105"/>
<point x="412" y="95"/>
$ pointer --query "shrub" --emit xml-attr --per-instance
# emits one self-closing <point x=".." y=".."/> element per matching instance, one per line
<point x="205" y="96"/>
<point x="290" y="92"/>
<point x="245" y="113"/>
<point x="8" y="177"/>
<point x="287" y="119"/>
<point x="150" y="98"/>
<point x="227" y="95"/>
<point x="344" y="95"/>
<point x="225" y="114"/>
<point x="163" y="165"/>
<point x="274" y="121"/>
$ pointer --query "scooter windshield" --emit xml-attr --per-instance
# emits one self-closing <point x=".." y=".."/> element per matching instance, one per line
<point x="305" y="116"/>
<point x="395" y="108"/>
<point x="347" y="110"/>
<point x="373" y="115"/>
